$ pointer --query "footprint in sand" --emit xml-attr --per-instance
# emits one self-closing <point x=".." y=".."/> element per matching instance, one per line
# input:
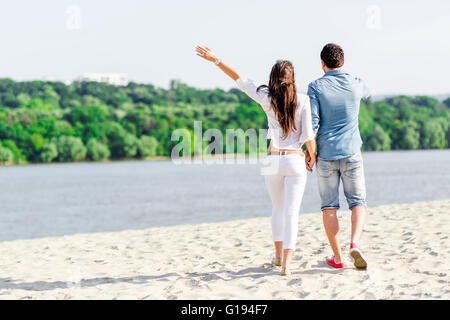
<point x="210" y="277"/>
<point x="297" y="282"/>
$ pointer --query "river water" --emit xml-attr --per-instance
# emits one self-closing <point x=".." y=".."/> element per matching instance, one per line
<point x="61" y="199"/>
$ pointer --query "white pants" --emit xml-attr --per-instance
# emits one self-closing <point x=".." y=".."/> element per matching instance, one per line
<point x="285" y="182"/>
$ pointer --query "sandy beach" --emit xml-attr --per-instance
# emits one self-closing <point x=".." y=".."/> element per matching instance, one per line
<point x="407" y="246"/>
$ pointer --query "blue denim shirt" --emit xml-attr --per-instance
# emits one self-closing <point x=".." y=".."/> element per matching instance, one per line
<point x="335" y="100"/>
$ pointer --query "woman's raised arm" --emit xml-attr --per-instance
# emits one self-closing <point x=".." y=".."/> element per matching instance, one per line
<point x="207" y="54"/>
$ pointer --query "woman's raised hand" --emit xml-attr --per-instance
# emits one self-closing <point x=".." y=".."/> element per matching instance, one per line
<point x="206" y="53"/>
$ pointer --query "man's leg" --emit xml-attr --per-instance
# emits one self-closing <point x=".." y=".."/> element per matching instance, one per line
<point x="331" y="224"/>
<point x="355" y="192"/>
<point x="328" y="177"/>
<point x="358" y="221"/>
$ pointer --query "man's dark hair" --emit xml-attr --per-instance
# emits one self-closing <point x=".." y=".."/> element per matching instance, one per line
<point x="333" y="56"/>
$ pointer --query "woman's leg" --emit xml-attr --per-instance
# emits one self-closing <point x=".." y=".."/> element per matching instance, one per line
<point x="293" y="195"/>
<point x="275" y="186"/>
<point x="278" y="250"/>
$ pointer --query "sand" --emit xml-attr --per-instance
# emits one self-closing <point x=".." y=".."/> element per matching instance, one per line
<point x="407" y="246"/>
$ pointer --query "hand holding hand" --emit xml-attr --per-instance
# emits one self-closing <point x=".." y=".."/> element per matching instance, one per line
<point x="307" y="159"/>
<point x="310" y="160"/>
<point x="206" y="53"/>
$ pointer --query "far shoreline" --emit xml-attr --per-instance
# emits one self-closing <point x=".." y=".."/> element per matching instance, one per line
<point x="168" y="158"/>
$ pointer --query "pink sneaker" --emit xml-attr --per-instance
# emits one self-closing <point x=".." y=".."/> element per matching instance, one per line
<point x="359" y="260"/>
<point x="332" y="262"/>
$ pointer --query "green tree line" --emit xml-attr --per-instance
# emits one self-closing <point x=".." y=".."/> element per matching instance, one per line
<point x="53" y="122"/>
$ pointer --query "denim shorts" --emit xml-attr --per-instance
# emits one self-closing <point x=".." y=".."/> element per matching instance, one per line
<point x="351" y="171"/>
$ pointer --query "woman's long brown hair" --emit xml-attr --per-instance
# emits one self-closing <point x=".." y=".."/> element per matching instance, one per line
<point x="283" y="94"/>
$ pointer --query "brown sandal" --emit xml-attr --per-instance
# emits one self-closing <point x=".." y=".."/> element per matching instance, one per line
<point x="286" y="272"/>
<point x="276" y="262"/>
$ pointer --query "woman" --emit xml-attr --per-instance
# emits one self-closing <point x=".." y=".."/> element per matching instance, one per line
<point x="290" y="126"/>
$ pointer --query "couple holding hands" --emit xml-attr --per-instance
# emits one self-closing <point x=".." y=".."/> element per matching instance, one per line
<point x="327" y="117"/>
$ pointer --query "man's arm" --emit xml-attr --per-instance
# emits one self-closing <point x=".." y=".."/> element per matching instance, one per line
<point x="364" y="89"/>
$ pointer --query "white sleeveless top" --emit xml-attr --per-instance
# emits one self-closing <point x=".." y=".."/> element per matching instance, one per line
<point x="303" y="121"/>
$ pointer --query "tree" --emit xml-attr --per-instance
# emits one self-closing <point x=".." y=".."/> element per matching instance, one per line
<point x="87" y="114"/>
<point x="97" y="151"/>
<point x="410" y="136"/>
<point x="96" y="130"/>
<point x="49" y="152"/>
<point x="138" y="120"/>
<point x="70" y="149"/>
<point x="379" y="140"/>
<point x="447" y="102"/>
<point x="5" y="155"/>
<point x="37" y="141"/>
<point x="425" y="101"/>
<point x="115" y="134"/>
<point x="366" y="124"/>
<point x="445" y="125"/>
<point x="51" y="97"/>
<point x="18" y="156"/>
<point x="433" y="136"/>
<point x="130" y="145"/>
<point x="23" y="98"/>
<point x="62" y="128"/>
<point x="147" y="146"/>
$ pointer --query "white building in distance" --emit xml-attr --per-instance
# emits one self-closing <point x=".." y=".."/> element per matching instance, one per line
<point x="116" y="79"/>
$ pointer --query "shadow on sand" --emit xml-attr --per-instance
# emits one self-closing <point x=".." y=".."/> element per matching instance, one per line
<point x="225" y="275"/>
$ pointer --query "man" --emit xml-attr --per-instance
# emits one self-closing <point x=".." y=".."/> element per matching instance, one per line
<point x="335" y="100"/>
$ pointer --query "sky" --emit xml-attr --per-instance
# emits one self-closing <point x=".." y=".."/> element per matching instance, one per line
<point x="397" y="47"/>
